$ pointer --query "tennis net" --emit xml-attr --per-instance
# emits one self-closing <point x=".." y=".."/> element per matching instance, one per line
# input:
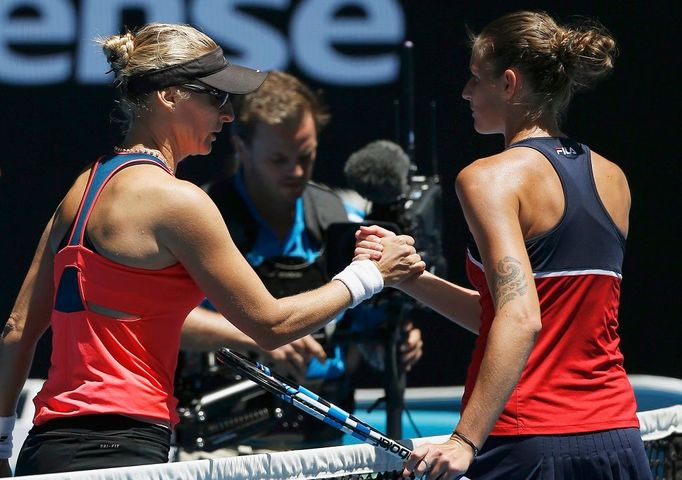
<point x="661" y="431"/>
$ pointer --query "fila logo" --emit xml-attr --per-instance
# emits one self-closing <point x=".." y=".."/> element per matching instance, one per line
<point x="566" y="151"/>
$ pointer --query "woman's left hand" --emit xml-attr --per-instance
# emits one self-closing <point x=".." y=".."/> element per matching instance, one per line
<point x="446" y="461"/>
<point x="399" y="260"/>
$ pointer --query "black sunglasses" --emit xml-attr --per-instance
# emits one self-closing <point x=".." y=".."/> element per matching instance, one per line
<point x="220" y="96"/>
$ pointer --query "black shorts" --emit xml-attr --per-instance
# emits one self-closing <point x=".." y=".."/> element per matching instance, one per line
<point x="611" y="454"/>
<point x="87" y="442"/>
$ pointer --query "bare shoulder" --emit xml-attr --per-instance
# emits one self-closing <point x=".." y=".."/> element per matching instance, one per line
<point x="182" y="193"/>
<point x="612" y="187"/>
<point x="73" y="197"/>
<point x="191" y="228"/>
<point x="181" y="203"/>
<point x="607" y="170"/>
<point x="477" y="173"/>
<point x="66" y="211"/>
<point x="502" y="173"/>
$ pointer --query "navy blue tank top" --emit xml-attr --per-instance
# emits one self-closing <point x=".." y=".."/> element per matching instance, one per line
<point x="586" y="238"/>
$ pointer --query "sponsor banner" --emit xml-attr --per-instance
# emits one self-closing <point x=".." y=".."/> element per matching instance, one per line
<point x="337" y="42"/>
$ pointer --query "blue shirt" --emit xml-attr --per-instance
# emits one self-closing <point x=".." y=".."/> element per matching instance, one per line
<point x="297" y="243"/>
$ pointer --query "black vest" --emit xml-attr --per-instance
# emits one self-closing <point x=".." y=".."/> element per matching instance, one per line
<point x="288" y="276"/>
<point x="282" y="276"/>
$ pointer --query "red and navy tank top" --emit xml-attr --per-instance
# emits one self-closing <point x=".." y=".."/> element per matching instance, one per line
<point x="574" y="380"/>
<point x="107" y="365"/>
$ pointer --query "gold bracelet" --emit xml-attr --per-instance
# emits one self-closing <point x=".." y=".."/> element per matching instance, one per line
<point x="466" y="440"/>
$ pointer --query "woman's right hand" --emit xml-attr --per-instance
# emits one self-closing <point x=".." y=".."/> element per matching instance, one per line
<point x="445" y="461"/>
<point x="399" y="260"/>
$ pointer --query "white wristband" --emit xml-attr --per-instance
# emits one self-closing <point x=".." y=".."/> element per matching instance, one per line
<point x="362" y="278"/>
<point x="6" y="427"/>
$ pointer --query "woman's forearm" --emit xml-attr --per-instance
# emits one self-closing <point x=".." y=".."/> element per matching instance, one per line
<point x="296" y="312"/>
<point x="458" y="304"/>
<point x="509" y="344"/>
<point x="205" y="330"/>
<point x="16" y="355"/>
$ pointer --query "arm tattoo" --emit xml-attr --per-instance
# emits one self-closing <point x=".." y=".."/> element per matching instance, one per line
<point x="508" y="281"/>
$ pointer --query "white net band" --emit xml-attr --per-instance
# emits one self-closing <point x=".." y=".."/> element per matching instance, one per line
<point x="660" y="423"/>
<point x="351" y="461"/>
<point x="660" y="428"/>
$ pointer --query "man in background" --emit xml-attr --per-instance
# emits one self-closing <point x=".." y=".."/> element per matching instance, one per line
<point x="278" y="219"/>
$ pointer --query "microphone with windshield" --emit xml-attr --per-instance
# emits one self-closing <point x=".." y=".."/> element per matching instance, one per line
<point x="379" y="172"/>
<point x="402" y="202"/>
<point x="382" y="173"/>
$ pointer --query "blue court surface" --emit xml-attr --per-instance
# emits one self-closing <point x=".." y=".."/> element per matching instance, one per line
<point x="435" y="410"/>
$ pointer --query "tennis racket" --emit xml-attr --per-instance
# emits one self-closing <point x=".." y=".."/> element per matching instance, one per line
<point x="311" y="403"/>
